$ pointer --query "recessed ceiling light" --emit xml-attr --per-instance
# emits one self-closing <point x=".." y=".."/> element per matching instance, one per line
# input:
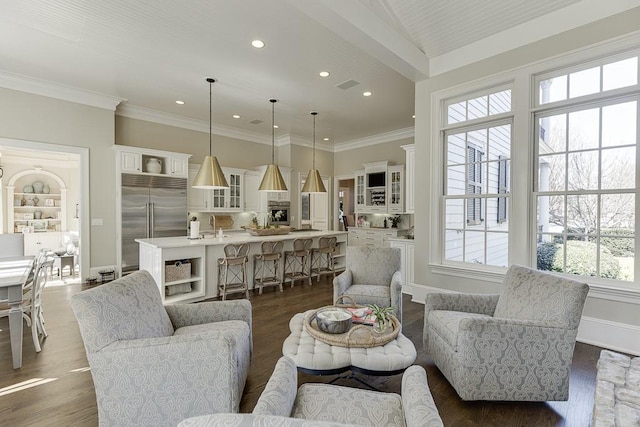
<point x="324" y="74"/>
<point x="235" y="116"/>
<point x="367" y="93"/>
<point x="325" y="139"/>
<point x="258" y="44"/>
<point x="275" y="126"/>
<point x="180" y="102"/>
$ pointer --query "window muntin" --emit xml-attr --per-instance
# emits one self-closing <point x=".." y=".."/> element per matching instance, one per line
<point x="586" y="189"/>
<point x="478" y="107"/>
<point x="608" y="75"/>
<point x="476" y="193"/>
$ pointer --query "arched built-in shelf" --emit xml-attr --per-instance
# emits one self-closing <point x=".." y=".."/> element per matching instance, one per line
<point x="23" y="207"/>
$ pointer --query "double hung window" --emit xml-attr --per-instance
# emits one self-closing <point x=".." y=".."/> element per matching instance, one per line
<point x="586" y="136"/>
<point x="477" y="141"/>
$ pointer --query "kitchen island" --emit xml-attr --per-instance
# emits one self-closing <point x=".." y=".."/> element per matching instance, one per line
<point x="192" y="264"/>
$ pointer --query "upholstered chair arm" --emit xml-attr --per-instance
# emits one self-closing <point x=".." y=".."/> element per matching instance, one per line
<point x="396" y="294"/>
<point x="452" y="301"/>
<point x="132" y="374"/>
<point x="208" y="312"/>
<point x="280" y="392"/>
<point x="341" y="283"/>
<point x="468" y="303"/>
<point x="417" y="402"/>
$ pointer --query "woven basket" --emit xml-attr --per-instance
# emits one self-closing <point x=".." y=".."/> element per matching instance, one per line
<point x="283" y="229"/>
<point x="177" y="271"/>
<point x="359" y="336"/>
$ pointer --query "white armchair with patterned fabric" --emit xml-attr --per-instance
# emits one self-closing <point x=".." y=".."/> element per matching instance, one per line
<point x="282" y="403"/>
<point x="156" y="365"/>
<point x="372" y="276"/>
<point x="514" y="346"/>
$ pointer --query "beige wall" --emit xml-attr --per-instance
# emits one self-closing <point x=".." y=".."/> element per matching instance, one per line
<point x="40" y="119"/>
<point x="562" y="43"/>
<point x="345" y="162"/>
<point x="231" y="152"/>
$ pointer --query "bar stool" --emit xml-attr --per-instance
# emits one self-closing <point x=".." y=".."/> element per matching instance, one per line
<point x="232" y="269"/>
<point x="295" y="261"/>
<point x="322" y="257"/>
<point x="266" y="265"/>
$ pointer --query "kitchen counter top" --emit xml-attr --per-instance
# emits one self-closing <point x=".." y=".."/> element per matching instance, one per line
<point x="232" y="237"/>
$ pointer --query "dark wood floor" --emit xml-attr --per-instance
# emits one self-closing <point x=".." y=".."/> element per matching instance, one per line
<point x="69" y="400"/>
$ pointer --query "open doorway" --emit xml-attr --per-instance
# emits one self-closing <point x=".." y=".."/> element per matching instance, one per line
<point x="346" y="214"/>
<point x="44" y="193"/>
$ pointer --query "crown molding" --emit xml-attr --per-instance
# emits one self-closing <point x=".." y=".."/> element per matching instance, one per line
<point x="149" y="115"/>
<point x="57" y="91"/>
<point x="308" y="143"/>
<point x="380" y="138"/>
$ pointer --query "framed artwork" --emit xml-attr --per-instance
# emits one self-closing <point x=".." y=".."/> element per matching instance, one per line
<point x="27" y="215"/>
<point x="48" y="202"/>
<point x="38" y="225"/>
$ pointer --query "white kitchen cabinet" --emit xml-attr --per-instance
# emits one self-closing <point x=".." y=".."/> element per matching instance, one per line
<point x="380" y="189"/>
<point x="277" y="196"/>
<point x="373" y="237"/>
<point x="33" y="242"/>
<point x="229" y="199"/>
<point x="130" y="162"/>
<point x="197" y="199"/>
<point x="251" y="193"/>
<point x="138" y="160"/>
<point x="410" y="152"/>
<point x="218" y="200"/>
<point x="406" y="247"/>
<point x="359" y="205"/>
<point x="395" y="189"/>
<point x="189" y="288"/>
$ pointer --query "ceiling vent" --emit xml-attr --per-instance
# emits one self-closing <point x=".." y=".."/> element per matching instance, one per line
<point x="256" y="122"/>
<point x="348" y="84"/>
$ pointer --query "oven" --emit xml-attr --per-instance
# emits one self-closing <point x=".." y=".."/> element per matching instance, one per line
<point x="279" y="213"/>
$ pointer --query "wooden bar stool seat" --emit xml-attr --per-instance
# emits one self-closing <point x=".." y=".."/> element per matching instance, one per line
<point x="266" y="265"/>
<point x="296" y="262"/>
<point x="232" y="269"/>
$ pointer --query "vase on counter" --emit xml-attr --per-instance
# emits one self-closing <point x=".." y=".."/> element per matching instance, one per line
<point x="154" y="165"/>
<point x="37" y="214"/>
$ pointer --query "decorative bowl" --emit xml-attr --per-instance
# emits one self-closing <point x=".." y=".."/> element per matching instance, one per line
<point x="27" y="189"/>
<point x="333" y="320"/>
<point x="60" y="251"/>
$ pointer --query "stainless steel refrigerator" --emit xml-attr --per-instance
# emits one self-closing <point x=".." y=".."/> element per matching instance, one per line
<point x="152" y="206"/>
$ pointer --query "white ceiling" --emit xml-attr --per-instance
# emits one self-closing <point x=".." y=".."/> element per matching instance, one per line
<point x="154" y="52"/>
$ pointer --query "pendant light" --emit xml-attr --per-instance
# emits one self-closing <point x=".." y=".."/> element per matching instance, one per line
<point x="313" y="183"/>
<point x="210" y="175"/>
<point x="272" y="179"/>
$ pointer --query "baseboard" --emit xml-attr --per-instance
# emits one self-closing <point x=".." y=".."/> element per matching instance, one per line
<point x="599" y="332"/>
<point x="612" y="335"/>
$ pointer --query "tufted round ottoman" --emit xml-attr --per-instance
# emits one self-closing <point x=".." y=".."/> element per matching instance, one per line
<point x="317" y="358"/>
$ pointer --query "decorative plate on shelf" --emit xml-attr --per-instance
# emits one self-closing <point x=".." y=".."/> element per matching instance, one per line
<point x="272" y="231"/>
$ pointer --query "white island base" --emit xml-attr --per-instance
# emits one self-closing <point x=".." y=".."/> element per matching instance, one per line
<point x="199" y="260"/>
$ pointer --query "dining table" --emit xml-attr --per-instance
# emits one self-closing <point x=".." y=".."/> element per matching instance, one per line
<point x="14" y="272"/>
